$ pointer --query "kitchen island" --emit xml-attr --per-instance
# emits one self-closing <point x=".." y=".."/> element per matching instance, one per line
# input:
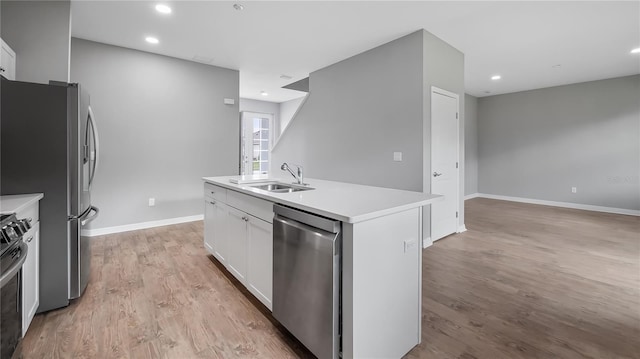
<point x="381" y="252"/>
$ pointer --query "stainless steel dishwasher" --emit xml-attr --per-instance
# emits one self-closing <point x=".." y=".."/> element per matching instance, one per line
<point x="306" y="278"/>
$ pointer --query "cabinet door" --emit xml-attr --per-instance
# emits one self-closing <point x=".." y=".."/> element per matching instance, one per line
<point x="220" y="237"/>
<point x="260" y="259"/>
<point x="31" y="277"/>
<point x="209" y="224"/>
<point x="215" y="229"/>
<point x="7" y="61"/>
<point x="237" y="244"/>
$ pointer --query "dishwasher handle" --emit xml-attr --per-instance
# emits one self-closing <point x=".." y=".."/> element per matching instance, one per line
<point x="313" y="220"/>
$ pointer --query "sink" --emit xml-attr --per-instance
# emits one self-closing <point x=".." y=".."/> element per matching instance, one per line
<point x="281" y="187"/>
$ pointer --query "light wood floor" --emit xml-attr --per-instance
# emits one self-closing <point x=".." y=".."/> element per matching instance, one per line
<point x="524" y="281"/>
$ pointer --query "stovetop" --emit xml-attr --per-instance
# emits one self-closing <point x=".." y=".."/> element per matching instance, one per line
<point x="11" y="230"/>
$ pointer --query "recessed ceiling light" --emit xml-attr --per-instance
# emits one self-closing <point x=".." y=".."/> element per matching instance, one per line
<point x="238" y="7"/>
<point x="556" y="66"/>
<point x="152" y="40"/>
<point x="636" y="50"/>
<point x="496" y="77"/>
<point x="161" y="8"/>
<point x="264" y="93"/>
<point x="285" y="77"/>
<point x="487" y="92"/>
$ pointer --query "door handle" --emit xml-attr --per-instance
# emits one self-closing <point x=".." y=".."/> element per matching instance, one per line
<point x="436" y="174"/>
<point x="94" y="133"/>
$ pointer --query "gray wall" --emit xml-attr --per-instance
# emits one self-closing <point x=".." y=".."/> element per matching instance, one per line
<point x="361" y="110"/>
<point x="162" y="126"/>
<point x="443" y="68"/>
<point x="470" y="145"/>
<point x="39" y="32"/>
<point x="538" y="144"/>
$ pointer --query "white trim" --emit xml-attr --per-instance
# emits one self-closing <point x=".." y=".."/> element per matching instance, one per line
<point x="462" y="228"/>
<point x="426" y="243"/>
<point x="471" y="196"/>
<point x="142" y="225"/>
<point x="586" y="207"/>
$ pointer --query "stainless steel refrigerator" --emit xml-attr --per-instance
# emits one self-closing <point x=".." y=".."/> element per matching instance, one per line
<point x="49" y="144"/>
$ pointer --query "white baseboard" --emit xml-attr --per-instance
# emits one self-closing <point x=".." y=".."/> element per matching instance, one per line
<point x="462" y="228"/>
<point x="471" y="196"/>
<point x="586" y="207"/>
<point x="427" y="242"/>
<point x="142" y="225"/>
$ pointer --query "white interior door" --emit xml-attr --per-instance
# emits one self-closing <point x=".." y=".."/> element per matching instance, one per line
<point x="444" y="162"/>
<point x="255" y="142"/>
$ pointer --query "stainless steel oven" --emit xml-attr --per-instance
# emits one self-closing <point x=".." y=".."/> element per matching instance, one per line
<point x="13" y="253"/>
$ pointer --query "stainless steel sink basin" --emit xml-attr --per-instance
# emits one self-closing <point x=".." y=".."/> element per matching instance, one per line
<point x="281" y="187"/>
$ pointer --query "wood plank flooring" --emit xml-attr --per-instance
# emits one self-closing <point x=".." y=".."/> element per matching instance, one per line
<point x="525" y="281"/>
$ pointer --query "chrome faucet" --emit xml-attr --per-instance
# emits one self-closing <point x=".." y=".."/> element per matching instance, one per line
<point x="299" y="178"/>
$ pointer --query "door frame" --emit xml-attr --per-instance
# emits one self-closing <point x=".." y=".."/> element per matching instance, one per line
<point x="271" y="118"/>
<point x="437" y="90"/>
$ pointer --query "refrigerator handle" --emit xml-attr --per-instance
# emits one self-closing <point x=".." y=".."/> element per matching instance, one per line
<point x="94" y="133"/>
<point x="88" y="219"/>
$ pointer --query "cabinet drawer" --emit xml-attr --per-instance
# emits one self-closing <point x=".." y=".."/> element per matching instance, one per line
<point x="260" y="208"/>
<point x="215" y="192"/>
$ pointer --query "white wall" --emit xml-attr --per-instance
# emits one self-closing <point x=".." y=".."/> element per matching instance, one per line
<point x="40" y="34"/>
<point x="287" y="110"/>
<point x="162" y="125"/>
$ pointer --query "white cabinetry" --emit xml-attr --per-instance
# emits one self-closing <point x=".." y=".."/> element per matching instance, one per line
<point x="215" y="229"/>
<point x="7" y="61"/>
<point x="260" y="259"/>
<point x="31" y="267"/>
<point x="31" y="277"/>
<point x="237" y="244"/>
<point x="238" y="232"/>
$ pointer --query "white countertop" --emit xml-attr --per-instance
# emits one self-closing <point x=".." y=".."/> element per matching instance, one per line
<point x="17" y="202"/>
<point x="346" y="202"/>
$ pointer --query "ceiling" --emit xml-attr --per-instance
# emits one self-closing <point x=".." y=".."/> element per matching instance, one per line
<point x="531" y="45"/>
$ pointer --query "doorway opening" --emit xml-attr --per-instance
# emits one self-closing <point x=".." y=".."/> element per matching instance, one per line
<point x="256" y="137"/>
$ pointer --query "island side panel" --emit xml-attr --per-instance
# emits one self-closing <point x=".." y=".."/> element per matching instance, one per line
<point x="381" y="293"/>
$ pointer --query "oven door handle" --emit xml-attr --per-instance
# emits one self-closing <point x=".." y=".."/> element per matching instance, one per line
<point x="6" y="277"/>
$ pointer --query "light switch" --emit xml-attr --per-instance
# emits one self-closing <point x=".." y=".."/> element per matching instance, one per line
<point x="397" y="156"/>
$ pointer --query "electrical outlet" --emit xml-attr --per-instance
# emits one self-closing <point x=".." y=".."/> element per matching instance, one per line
<point x="397" y="156"/>
<point x="152" y="202"/>
<point x="409" y="244"/>
<point x="574" y="189"/>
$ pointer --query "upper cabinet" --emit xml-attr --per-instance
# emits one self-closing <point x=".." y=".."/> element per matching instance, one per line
<point x="7" y="61"/>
